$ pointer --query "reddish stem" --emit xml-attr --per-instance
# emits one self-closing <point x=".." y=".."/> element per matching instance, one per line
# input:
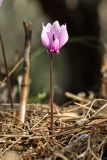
<point x="7" y="75"/>
<point x="51" y="96"/>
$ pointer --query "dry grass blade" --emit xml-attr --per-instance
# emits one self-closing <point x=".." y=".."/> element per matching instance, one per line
<point x="75" y="97"/>
<point x="12" y="71"/>
<point x="10" y="146"/>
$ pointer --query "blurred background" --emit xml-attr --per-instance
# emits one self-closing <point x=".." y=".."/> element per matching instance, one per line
<point x="77" y="68"/>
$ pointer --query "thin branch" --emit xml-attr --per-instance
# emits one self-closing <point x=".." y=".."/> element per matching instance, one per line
<point x="5" y="62"/>
<point x="25" y="76"/>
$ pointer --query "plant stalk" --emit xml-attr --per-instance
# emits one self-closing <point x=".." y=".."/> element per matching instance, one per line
<point x="51" y="96"/>
<point x="25" y="75"/>
<point x="6" y="69"/>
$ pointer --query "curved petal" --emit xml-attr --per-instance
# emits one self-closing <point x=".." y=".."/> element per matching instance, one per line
<point x="55" y="46"/>
<point x="45" y="29"/>
<point x="56" y="28"/>
<point x="63" y="36"/>
<point x="44" y="38"/>
<point x="49" y="26"/>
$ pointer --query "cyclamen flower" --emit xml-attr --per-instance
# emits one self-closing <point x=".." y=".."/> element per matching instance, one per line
<point x="54" y="36"/>
<point x="1" y="1"/>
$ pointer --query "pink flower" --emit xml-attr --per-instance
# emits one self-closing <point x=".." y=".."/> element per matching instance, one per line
<point x="1" y="1"/>
<point x="54" y="36"/>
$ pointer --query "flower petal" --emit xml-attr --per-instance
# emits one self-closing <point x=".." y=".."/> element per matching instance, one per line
<point x="63" y="36"/>
<point x="55" y="45"/>
<point x="56" y="28"/>
<point x="54" y="36"/>
<point x="44" y="37"/>
<point x="1" y="1"/>
<point x="49" y="26"/>
<point x="50" y="37"/>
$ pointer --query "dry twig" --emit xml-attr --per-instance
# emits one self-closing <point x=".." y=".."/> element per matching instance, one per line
<point x="25" y="76"/>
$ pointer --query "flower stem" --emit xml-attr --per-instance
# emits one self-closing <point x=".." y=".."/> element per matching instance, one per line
<point x="51" y="96"/>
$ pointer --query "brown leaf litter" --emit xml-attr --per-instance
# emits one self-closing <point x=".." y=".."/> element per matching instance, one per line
<point x="80" y="132"/>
